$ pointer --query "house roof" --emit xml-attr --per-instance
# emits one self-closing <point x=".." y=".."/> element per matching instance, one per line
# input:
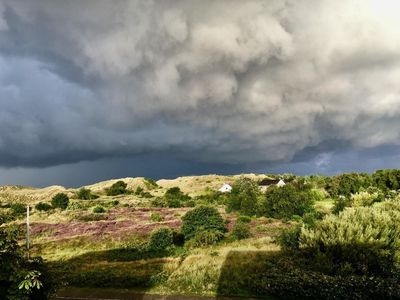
<point x="267" y="182"/>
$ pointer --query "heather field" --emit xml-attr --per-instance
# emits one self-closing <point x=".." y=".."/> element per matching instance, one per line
<point x="305" y="236"/>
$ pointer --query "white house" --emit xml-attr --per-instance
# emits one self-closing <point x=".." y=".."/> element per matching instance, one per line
<point x="281" y="183"/>
<point x="226" y="188"/>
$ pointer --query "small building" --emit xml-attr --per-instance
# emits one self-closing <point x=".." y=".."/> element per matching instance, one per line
<point x="226" y="188"/>
<point x="265" y="183"/>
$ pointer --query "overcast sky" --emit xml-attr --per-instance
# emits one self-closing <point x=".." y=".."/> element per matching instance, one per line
<point x="91" y="90"/>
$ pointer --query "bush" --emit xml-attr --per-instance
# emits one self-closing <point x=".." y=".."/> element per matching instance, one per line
<point x="41" y="206"/>
<point x="202" y="218"/>
<point x="243" y="219"/>
<point x="362" y="240"/>
<point x="340" y="204"/>
<point x="18" y="209"/>
<point x="178" y="238"/>
<point x="74" y="205"/>
<point x="175" y="197"/>
<point x="117" y="188"/>
<point x="99" y="209"/>
<point x="243" y="197"/>
<point x="206" y="238"/>
<point x="289" y="238"/>
<point x="347" y="184"/>
<point x="161" y="239"/>
<point x="286" y="201"/>
<point x="86" y="194"/>
<point x="241" y="231"/>
<point x="60" y="200"/>
<point x="156" y="217"/>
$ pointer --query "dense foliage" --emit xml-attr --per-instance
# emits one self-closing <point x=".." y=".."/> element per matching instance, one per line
<point x="42" y="206"/>
<point x="201" y="219"/>
<point x="363" y="240"/>
<point x="387" y="180"/>
<point x="174" y="197"/>
<point x="60" y="200"/>
<point x="19" y="278"/>
<point x="347" y="184"/>
<point x="161" y="239"/>
<point x="244" y="197"/>
<point x="117" y="188"/>
<point x="287" y="201"/>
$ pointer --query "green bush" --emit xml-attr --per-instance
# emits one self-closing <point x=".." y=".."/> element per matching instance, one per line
<point x="243" y="219"/>
<point x="340" y="204"/>
<point x="117" y="188"/>
<point x="362" y="240"/>
<point x="74" y="205"/>
<point x="347" y="184"/>
<point x="60" y="200"/>
<point x="289" y="238"/>
<point x="41" y="206"/>
<point x="206" y="238"/>
<point x="156" y="217"/>
<point x="86" y="194"/>
<point x="99" y="209"/>
<point x="387" y="180"/>
<point x="18" y="209"/>
<point x="243" y="197"/>
<point x="160" y="239"/>
<point x="287" y="201"/>
<point x="202" y="218"/>
<point x="175" y="197"/>
<point x="240" y="231"/>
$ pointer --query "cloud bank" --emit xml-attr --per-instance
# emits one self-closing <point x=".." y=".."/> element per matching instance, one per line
<point x="209" y="81"/>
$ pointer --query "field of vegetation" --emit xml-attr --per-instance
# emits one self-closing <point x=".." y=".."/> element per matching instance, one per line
<point x="317" y="237"/>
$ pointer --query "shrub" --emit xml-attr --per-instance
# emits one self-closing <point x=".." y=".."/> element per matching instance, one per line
<point x="117" y="188"/>
<point x="178" y="238"/>
<point x="364" y="240"/>
<point x="84" y="194"/>
<point x="241" y="231"/>
<point x="243" y="196"/>
<point x="18" y="209"/>
<point x="174" y="197"/>
<point x="243" y="219"/>
<point x="340" y="204"/>
<point x="347" y="184"/>
<point x="387" y="180"/>
<point x="286" y="201"/>
<point x="74" y="205"/>
<point x="99" y="209"/>
<point x="206" y="238"/>
<point x="139" y="190"/>
<point x="41" y="206"/>
<point x="289" y="238"/>
<point x="160" y="239"/>
<point x="156" y="217"/>
<point x="202" y="218"/>
<point x="60" y="200"/>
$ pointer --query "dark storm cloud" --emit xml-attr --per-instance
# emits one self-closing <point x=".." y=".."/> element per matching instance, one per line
<point x="219" y="82"/>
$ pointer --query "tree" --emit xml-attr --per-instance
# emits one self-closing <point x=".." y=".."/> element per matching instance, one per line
<point x="174" y="197"/>
<point x="347" y="184"/>
<point x="202" y="218"/>
<point x="19" y="278"/>
<point x="244" y="196"/>
<point x="287" y="201"/>
<point x="117" y="188"/>
<point x="84" y="194"/>
<point x="60" y="200"/>
<point x="387" y="180"/>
